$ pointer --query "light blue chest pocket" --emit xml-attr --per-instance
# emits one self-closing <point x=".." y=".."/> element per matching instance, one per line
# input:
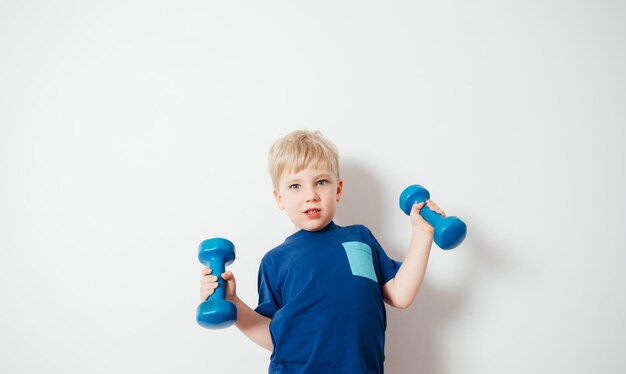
<point x="360" y="259"/>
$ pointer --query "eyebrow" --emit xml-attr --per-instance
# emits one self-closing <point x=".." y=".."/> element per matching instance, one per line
<point x="289" y="181"/>
<point x="317" y="176"/>
<point x="323" y="175"/>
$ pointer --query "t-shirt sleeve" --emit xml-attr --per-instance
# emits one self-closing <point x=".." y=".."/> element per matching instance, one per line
<point x="269" y="300"/>
<point x="388" y="267"/>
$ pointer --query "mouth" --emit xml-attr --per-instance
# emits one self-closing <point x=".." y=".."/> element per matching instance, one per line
<point x="312" y="213"/>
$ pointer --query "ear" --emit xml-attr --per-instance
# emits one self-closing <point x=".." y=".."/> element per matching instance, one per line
<point x="279" y="200"/>
<point x="339" y="189"/>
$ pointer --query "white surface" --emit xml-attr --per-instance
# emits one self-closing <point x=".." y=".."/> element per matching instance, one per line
<point x="132" y="130"/>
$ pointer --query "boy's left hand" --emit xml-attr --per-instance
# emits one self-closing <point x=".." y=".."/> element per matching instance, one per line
<point x="418" y="222"/>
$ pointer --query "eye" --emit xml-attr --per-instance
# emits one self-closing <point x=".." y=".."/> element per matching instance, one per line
<point x="322" y="182"/>
<point x="294" y="186"/>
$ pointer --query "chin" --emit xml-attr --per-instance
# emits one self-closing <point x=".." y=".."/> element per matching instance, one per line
<point x="316" y="226"/>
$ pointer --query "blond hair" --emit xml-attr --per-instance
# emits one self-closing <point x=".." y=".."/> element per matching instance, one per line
<point x="302" y="149"/>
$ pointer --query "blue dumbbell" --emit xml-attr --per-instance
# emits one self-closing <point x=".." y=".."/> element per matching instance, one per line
<point x="449" y="231"/>
<point x="216" y="312"/>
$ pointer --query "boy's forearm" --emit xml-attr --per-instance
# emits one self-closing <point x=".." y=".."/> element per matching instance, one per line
<point x="254" y="325"/>
<point x="403" y="288"/>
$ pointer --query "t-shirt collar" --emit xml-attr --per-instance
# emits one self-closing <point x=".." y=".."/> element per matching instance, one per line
<point x="300" y="233"/>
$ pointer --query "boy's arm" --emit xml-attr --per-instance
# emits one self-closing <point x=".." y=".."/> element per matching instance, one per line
<point x="254" y="325"/>
<point x="400" y="292"/>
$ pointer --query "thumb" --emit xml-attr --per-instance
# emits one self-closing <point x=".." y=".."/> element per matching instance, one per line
<point x="228" y="277"/>
<point x="231" y="286"/>
<point x="417" y="207"/>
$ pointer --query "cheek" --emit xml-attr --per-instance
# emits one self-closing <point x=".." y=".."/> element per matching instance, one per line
<point x="287" y="203"/>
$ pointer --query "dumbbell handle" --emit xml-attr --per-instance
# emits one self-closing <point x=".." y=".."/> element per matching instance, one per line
<point x="429" y="215"/>
<point x="218" y="268"/>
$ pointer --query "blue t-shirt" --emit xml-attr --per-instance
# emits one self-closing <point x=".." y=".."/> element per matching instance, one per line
<point x="323" y="291"/>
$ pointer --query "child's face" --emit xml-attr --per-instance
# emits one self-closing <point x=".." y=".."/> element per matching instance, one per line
<point x="309" y="197"/>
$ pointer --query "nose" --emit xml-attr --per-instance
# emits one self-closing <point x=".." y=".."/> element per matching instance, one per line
<point x="311" y="195"/>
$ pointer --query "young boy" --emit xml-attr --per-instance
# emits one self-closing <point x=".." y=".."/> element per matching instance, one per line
<point x="322" y="292"/>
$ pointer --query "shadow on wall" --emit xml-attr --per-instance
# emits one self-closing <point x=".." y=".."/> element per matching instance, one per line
<point x="412" y="335"/>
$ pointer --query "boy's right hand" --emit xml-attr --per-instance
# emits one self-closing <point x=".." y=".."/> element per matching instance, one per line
<point x="208" y="284"/>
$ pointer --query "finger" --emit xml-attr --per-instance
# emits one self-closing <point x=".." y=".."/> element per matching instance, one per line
<point x="435" y="208"/>
<point x="207" y="289"/>
<point x="227" y="275"/>
<point x="206" y="271"/>
<point x="209" y="279"/>
<point x="209" y="286"/>
<point x="230" y="279"/>
<point x="205" y="294"/>
<point x="418" y="206"/>
<point x="415" y="212"/>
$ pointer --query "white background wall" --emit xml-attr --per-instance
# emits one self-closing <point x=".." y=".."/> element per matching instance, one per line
<point x="132" y="130"/>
